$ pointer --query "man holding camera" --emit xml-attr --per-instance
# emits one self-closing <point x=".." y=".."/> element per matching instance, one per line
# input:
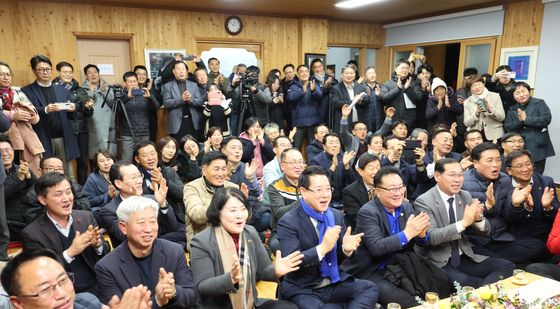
<point x="134" y="118"/>
<point x="248" y="98"/>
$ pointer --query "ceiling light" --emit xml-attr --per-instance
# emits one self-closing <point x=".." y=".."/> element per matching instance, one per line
<point x="350" y="4"/>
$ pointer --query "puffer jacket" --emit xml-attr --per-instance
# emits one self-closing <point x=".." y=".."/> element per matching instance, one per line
<point x="138" y="110"/>
<point x="305" y="106"/>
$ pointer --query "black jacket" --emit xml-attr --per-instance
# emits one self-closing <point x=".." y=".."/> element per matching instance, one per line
<point x="79" y="97"/>
<point x="138" y="110"/>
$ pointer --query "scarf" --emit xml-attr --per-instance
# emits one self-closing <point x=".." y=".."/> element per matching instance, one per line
<point x="483" y="95"/>
<point x="243" y="298"/>
<point x="329" y="264"/>
<point x="7" y="98"/>
<point x="320" y="77"/>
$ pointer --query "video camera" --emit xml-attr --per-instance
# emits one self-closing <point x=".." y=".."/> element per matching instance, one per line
<point x="251" y="77"/>
<point x="117" y="91"/>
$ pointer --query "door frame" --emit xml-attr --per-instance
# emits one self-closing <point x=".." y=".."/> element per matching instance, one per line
<point x="493" y="62"/>
<point x="106" y="36"/>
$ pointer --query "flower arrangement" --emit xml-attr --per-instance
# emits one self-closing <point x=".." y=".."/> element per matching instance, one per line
<point x="493" y="296"/>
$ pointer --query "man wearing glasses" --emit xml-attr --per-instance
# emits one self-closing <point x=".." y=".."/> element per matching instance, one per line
<point x="128" y="180"/>
<point x="54" y="129"/>
<point x="72" y="234"/>
<point x="390" y="228"/>
<point x="319" y="233"/>
<point x="452" y="213"/>
<point x="36" y="279"/>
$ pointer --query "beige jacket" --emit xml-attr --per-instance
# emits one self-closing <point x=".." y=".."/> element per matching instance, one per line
<point x="489" y="123"/>
<point x="197" y="198"/>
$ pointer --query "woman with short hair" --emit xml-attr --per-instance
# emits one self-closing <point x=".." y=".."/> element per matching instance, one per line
<point x="483" y="110"/>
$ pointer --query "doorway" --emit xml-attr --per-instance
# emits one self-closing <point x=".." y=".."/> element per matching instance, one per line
<point x="112" y="56"/>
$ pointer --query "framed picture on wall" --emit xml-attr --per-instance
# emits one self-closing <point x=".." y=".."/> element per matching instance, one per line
<point x="523" y="61"/>
<point x="309" y="57"/>
<point x="157" y="58"/>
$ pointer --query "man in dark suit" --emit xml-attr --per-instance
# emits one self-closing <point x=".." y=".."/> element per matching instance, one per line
<point x="54" y="129"/>
<point x="360" y="191"/>
<point x="72" y="234"/>
<point x="184" y="103"/>
<point x="319" y="233"/>
<point x="452" y="212"/>
<point x="532" y="203"/>
<point x="129" y="181"/>
<point x="344" y="92"/>
<point x="389" y="227"/>
<point x="145" y="259"/>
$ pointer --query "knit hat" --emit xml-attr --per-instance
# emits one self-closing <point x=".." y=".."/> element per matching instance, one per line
<point x="438" y="82"/>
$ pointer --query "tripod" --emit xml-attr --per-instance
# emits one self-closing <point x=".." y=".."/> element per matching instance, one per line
<point x="118" y="105"/>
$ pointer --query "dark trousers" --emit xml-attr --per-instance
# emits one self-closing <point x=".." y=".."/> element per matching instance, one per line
<point x="350" y="293"/>
<point x="551" y="271"/>
<point x="301" y="134"/>
<point x="471" y="273"/>
<point x="4" y="231"/>
<point x="390" y="293"/>
<point x="520" y="251"/>
<point x="277" y="304"/>
<point x="82" y="161"/>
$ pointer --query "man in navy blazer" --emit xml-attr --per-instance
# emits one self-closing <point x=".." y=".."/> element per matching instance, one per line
<point x="128" y="180"/>
<point x="320" y="234"/>
<point x="184" y="104"/>
<point x="532" y="203"/>
<point x="54" y="129"/>
<point x="145" y="259"/>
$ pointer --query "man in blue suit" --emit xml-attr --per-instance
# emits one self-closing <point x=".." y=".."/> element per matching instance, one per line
<point x="532" y="203"/>
<point x="320" y="234"/>
<point x="54" y="129"/>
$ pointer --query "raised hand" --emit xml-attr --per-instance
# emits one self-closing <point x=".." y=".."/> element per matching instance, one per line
<point x="420" y="154"/>
<point x="521" y="115"/>
<point x="79" y="244"/>
<point x="287" y="264"/>
<point x="350" y="242"/>
<point x="250" y="169"/>
<point x="447" y="104"/>
<point x="186" y="96"/>
<point x="547" y="198"/>
<point x="111" y="191"/>
<point x="439" y="104"/>
<point x="346" y="111"/>
<point x="312" y="85"/>
<point x="453" y="129"/>
<point x="329" y="239"/>
<point x="334" y="163"/>
<point x="407" y="84"/>
<point x="347" y="157"/>
<point x="137" y="297"/>
<point x="236" y="273"/>
<point x="156" y="175"/>
<point x="95" y="236"/>
<point x="490" y="199"/>
<point x="390" y="112"/>
<point x="165" y="288"/>
<point x="160" y="192"/>
<point x="472" y="213"/>
<point x="519" y="195"/>
<point x="243" y="187"/>
<point x="415" y="225"/>
<point x="399" y="83"/>
<point x="23" y="171"/>
<point x="377" y="90"/>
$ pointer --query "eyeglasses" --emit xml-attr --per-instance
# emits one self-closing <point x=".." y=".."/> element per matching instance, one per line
<point x="5" y="74"/>
<point x="515" y="141"/>
<point x="325" y="191"/>
<point x="44" y="70"/>
<point x="48" y="292"/>
<point x="400" y="189"/>
<point x="527" y="165"/>
<point x="295" y="163"/>
<point x="136" y="177"/>
<point x="54" y="169"/>
<point x="454" y="175"/>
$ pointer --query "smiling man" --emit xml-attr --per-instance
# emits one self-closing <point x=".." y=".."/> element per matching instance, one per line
<point x="319" y="233"/>
<point x="492" y="188"/>
<point x="144" y="259"/>
<point x="72" y="234"/>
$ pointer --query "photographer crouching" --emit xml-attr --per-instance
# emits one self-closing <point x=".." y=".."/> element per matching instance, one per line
<point x="132" y="121"/>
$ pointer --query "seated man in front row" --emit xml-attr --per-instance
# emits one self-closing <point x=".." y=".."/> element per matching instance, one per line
<point x="129" y="181"/>
<point x="72" y="234"/>
<point x="452" y="211"/>
<point x="145" y="259"/>
<point x="320" y="234"/>
<point x="36" y="279"/>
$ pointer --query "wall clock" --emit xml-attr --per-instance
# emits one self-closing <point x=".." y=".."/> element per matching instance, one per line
<point x="233" y="25"/>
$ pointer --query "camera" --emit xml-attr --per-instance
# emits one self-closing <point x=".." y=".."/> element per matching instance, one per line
<point x="117" y="91"/>
<point x="251" y="76"/>
<point x="137" y="92"/>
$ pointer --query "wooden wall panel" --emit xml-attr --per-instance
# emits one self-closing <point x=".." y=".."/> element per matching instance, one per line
<point x="313" y="36"/>
<point x="522" y="23"/>
<point x="383" y="64"/>
<point x="355" y="34"/>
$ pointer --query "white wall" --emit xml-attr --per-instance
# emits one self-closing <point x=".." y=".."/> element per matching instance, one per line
<point x="462" y="25"/>
<point x="546" y="81"/>
<point x="338" y="56"/>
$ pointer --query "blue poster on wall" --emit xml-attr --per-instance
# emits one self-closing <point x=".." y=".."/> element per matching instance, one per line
<point x="520" y="65"/>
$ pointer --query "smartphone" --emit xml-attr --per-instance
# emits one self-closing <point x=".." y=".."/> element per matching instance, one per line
<point x="188" y="57"/>
<point x="412" y="144"/>
<point x="480" y="102"/>
<point x="138" y="92"/>
<point x="64" y="106"/>
<point x="511" y="74"/>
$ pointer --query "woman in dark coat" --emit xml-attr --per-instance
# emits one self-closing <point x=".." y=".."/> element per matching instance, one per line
<point x="530" y="117"/>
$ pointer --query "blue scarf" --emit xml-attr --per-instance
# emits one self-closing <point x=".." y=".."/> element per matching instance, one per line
<point x="329" y="264"/>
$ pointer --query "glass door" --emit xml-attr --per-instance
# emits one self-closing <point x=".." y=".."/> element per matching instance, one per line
<point x="477" y="54"/>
